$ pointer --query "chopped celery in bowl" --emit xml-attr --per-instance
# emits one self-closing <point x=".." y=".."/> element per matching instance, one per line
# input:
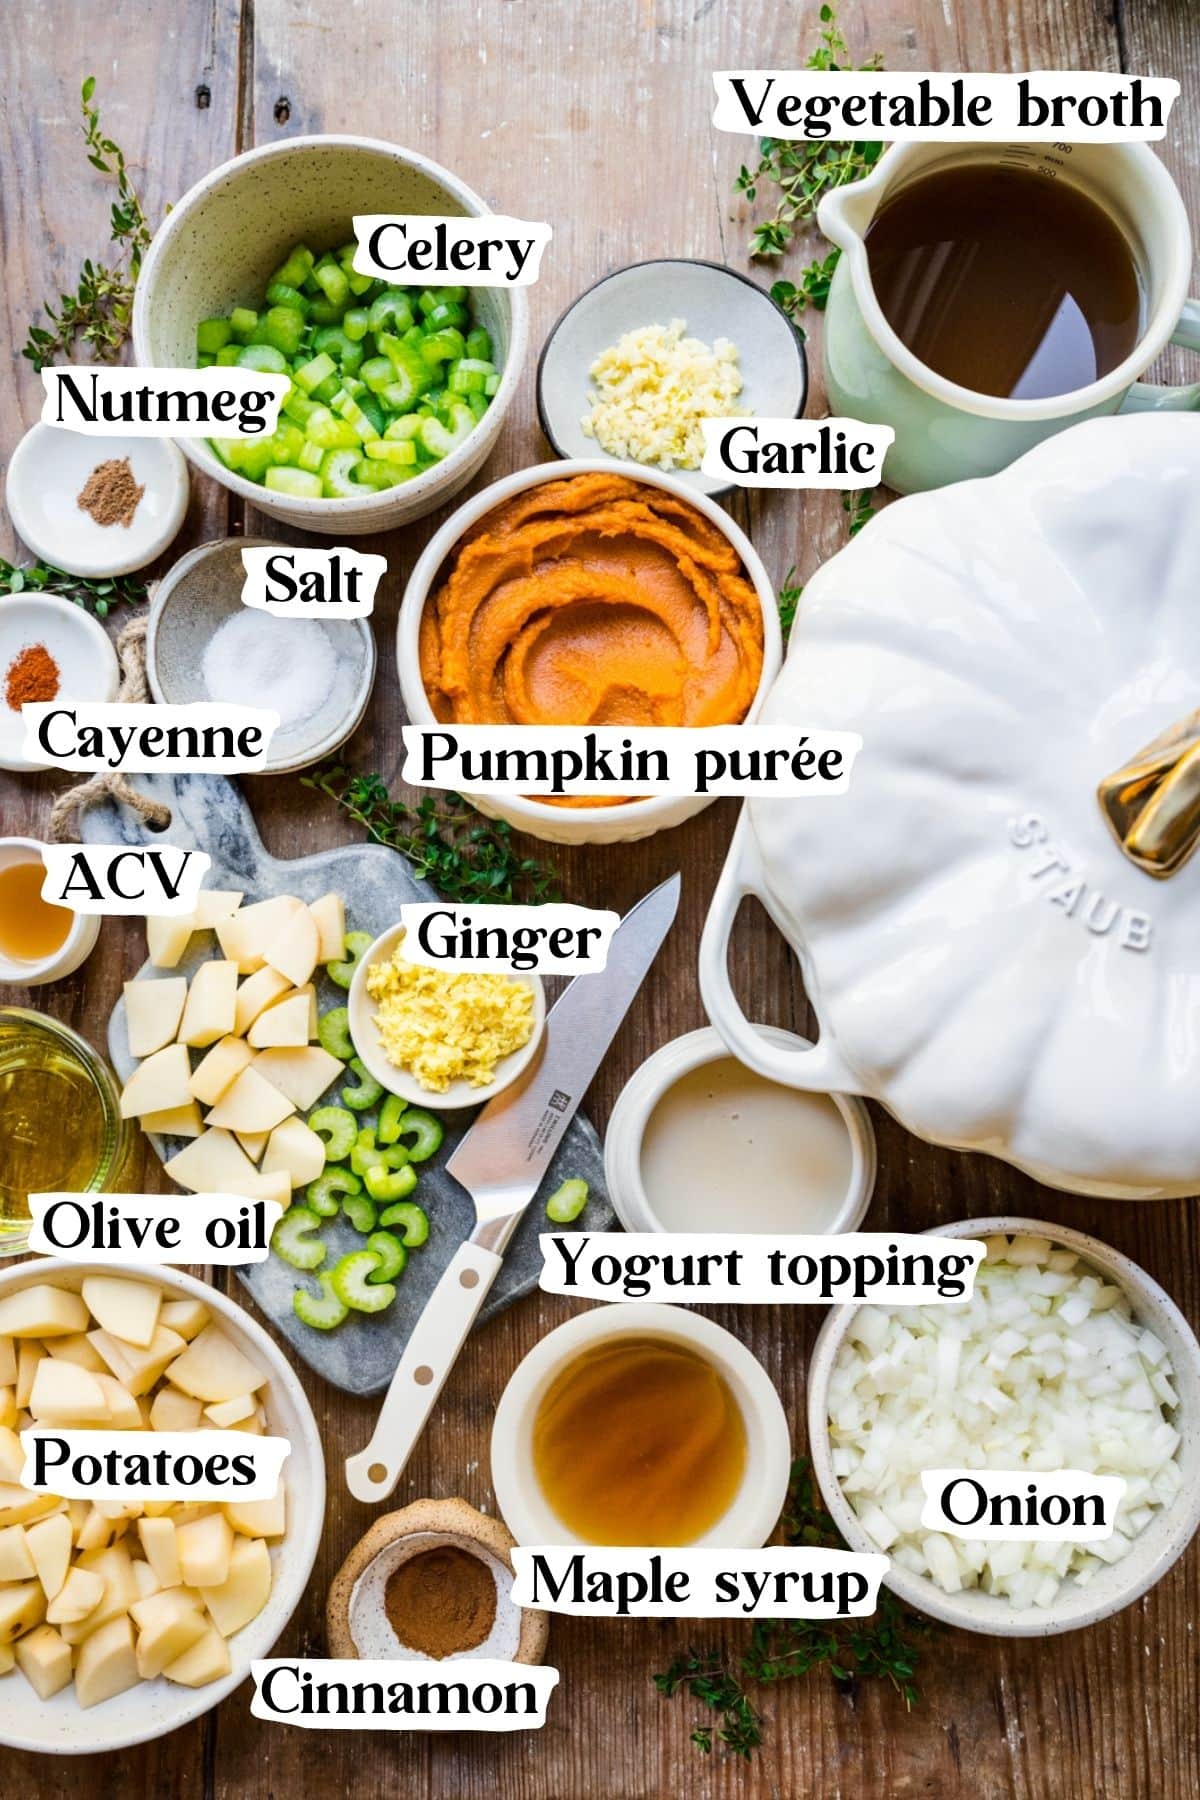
<point x="385" y="381"/>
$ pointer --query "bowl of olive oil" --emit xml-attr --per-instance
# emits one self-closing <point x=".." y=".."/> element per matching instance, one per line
<point x="61" y="1129"/>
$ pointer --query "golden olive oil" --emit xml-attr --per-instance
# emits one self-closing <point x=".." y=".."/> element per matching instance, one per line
<point x="639" y="1441"/>
<point x="60" y="1130"/>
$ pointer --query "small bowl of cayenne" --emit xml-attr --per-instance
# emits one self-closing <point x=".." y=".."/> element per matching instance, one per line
<point x="632" y="644"/>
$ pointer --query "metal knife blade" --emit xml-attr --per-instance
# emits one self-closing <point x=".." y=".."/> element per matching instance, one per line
<point x="503" y="1157"/>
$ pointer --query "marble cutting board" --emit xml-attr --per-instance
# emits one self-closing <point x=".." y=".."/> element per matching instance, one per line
<point x="210" y="813"/>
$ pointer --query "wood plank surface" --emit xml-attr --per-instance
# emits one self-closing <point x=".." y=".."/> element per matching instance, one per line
<point x="596" y="117"/>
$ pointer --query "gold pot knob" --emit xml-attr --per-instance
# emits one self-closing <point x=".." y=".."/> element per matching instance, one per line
<point x="1153" y="804"/>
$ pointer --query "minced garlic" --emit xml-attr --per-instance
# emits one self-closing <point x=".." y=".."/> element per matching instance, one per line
<point x="653" y="388"/>
<point x="445" y="1027"/>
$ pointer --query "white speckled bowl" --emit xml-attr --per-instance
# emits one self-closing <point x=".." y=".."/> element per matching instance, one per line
<point x="369" y="1046"/>
<point x="1116" y="1585"/>
<point x="713" y="302"/>
<point x="59" y="1726"/>
<point x="203" y="590"/>
<point x="221" y="241"/>
<point x="630" y="819"/>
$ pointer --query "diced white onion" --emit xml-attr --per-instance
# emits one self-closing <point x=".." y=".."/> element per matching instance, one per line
<point x="1044" y="1368"/>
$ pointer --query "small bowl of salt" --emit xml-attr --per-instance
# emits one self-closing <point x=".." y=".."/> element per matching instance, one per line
<point x="202" y="643"/>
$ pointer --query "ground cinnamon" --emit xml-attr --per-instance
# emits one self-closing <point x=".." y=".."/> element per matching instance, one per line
<point x="110" y="494"/>
<point x="31" y="675"/>
<point x="441" y="1601"/>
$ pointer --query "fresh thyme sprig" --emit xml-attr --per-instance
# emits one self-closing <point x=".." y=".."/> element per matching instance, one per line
<point x="887" y="1646"/>
<point x="464" y="855"/>
<point x="98" y="313"/>
<point x="858" y="504"/>
<point x="789" y="599"/>
<point x="799" y="173"/>
<point x="98" y="596"/>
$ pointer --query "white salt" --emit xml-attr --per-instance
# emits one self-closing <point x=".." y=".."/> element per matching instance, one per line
<point x="288" y="665"/>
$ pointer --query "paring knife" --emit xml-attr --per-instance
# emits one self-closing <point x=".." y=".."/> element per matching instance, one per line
<point x="500" y="1162"/>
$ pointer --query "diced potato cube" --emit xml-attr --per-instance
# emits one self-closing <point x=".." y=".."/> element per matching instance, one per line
<point x="49" y="1542"/>
<point x="8" y="1660"/>
<point x="8" y="1362"/>
<point x="153" y="1010"/>
<point x="215" y="1071"/>
<point x="41" y="1311"/>
<point x="137" y="1369"/>
<point x="12" y="1456"/>
<point x="146" y="1580"/>
<point x="294" y="950"/>
<point x="126" y="1309"/>
<point x="79" y="1595"/>
<point x="16" y="1560"/>
<point x="167" y="938"/>
<point x="106" y="1665"/>
<point x="186" y="1316"/>
<point x="259" y="991"/>
<point x="22" y="1606"/>
<point x="226" y="1413"/>
<point x="18" y="1506"/>
<point x="124" y="1413"/>
<point x="244" y="937"/>
<point x="330" y="915"/>
<point x="207" y="1660"/>
<point x="204" y="1547"/>
<point x="245" y="1590"/>
<point x="177" y="1121"/>
<point x="76" y="1349"/>
<point x="215" y="904"/>
<point x="213" y="1368"/>
<point x="211" y="1004"/>
<point x="158" y="1542"/>
<point x="161" y="1083"/>
<point x="29" y="1355"/>
<point x="258" y="1518"/>
<point x="64" y="1394"/>
<point x="99" y="1530"/>
<point x="253" y="1143"/>
<point x="120" y="1589"/>
<point x="9" y="1412"/>
<point x="296" y="1150"/>
<point x="173" y="1411"/>
<point x="302" y="1075"/>
<point x="45" y="1661"/>
<point x="284" y="1023"/>
<point x="168" y="1624"/>
<point x="214" y="1164"/>
<point x="251" y="1104"/>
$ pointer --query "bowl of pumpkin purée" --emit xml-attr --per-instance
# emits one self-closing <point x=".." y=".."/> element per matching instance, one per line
<point x="590" y="592"/>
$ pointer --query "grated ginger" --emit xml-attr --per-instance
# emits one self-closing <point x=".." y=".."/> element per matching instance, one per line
<point x="653" y="387"/>
<point x="445" y="1026"/>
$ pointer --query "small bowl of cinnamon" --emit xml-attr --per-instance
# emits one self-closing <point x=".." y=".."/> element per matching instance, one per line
<point x="96" y="506"/>
<point x="432" y="1582"/>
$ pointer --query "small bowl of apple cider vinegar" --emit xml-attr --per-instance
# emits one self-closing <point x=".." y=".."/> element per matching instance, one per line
<point x="61" y="1129"/>
<point x="39" y="942"/>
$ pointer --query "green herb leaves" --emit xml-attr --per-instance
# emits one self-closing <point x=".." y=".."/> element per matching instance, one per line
<point x="464" y="855"/>
<point x="98" y="313"/>
<point x="799" y="173"/>
<point x="98" y="596"/>
<point x="886" y="1646"/>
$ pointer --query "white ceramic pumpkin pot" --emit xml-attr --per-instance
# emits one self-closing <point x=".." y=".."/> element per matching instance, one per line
<point x="983" y="955"/>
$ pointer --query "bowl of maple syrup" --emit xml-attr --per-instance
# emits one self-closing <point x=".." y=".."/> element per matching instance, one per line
<point x="39" y="942"/>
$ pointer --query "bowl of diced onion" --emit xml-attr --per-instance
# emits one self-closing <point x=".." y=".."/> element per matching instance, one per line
<point x="254" y="266"/>
<point x="1067" y="1356"/>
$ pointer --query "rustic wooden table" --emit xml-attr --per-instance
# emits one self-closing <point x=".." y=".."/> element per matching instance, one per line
<point x="595" y="117"/>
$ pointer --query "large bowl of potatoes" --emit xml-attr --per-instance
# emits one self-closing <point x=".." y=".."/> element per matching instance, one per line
<point x="122" y="1621"/>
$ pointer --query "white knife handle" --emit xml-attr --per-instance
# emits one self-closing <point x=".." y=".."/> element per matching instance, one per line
<point x="430" y="1354"/>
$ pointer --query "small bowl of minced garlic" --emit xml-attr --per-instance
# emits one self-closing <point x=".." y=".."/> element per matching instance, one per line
<point x="639" y="359"/>
<point x="442" y="1037"/>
